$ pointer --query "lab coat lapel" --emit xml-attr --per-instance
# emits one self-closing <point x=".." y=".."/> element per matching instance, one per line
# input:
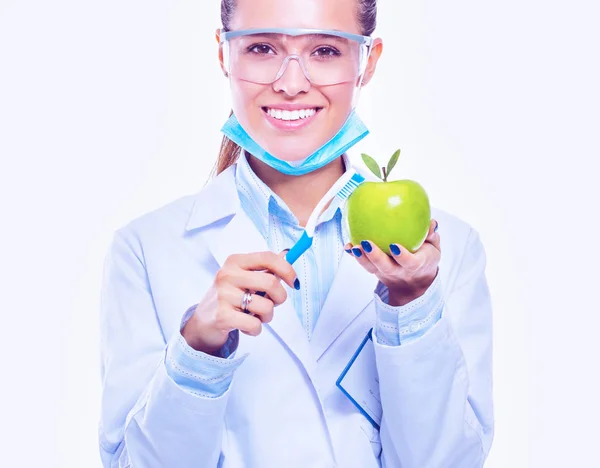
<point x="231" y="231"/>
<point x="352" y="290"/>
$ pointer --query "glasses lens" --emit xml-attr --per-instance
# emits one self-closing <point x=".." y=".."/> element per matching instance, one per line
<point x="325" y="59"/>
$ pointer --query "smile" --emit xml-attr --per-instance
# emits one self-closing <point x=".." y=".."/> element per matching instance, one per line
<point x="287" y="115"/>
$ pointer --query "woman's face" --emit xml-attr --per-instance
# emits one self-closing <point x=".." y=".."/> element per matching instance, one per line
<point x="333" y="103"/>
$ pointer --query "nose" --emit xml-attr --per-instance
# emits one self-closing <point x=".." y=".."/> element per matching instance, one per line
<point x="292" y="78"/>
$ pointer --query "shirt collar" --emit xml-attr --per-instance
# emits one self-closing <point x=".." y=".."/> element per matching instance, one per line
<point x="258" y="198"/>
<point x="254" y="193"/>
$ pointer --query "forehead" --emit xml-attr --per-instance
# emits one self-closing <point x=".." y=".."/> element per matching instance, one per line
<point x="338" y="15"/>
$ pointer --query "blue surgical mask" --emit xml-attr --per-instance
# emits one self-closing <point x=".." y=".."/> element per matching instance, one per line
<point x="347" y="136"/>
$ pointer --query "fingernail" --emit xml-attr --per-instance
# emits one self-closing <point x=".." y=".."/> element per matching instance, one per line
<point x="366" y="246"/>
<point x="297" y="284"/>
<point x="395" y="249"/>
<point x="436" y="226"/>
<point x="356" y="251"/>
<point x="348" y="251"/>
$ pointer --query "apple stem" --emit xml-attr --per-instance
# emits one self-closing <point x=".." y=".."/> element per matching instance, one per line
<point x="384" y="174"/>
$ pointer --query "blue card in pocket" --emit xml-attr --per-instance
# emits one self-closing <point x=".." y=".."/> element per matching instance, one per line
<point x="359" y="381"/>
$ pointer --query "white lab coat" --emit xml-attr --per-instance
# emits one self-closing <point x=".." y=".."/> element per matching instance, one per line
<point x="283" y="408"/>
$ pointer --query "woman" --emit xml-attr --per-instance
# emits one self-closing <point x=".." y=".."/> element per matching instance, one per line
<point x="183" y="388"/>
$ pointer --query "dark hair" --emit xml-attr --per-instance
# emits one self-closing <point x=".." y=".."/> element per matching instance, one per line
<point x="367" y="18"/>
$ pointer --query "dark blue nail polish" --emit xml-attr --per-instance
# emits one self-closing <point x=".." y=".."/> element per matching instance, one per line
<point x="395" y="249"/>
<point x="366" y="246"/>
<point x="297" y="284"/>
<point x="436" y="226"/>
<point x="356" y="251"/>
<point x="348" y="251"/>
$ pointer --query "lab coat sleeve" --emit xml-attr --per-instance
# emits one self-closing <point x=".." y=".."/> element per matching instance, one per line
<point x="436" y="391"/>
<point x="397" y="325"/>
<point x="147" y="420"/>
<point x="200" y="373"/>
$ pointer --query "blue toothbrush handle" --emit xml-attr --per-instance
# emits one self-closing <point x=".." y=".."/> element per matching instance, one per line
<point x="295" y="252"/>
<point x="299" y="248"/>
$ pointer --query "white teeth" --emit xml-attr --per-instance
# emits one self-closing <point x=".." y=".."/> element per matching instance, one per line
<point x="291" y="115"/>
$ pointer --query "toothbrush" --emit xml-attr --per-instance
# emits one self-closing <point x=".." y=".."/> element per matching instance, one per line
<point x="341" y="190"/>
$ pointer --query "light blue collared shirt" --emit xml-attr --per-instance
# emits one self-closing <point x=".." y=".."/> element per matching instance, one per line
<point x="211" y="376"/>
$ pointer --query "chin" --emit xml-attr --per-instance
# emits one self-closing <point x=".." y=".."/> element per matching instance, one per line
<point x="286" y="154"/>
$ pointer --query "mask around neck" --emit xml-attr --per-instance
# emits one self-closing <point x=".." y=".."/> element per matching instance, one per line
<point x="297" y="163"/>
<point x="352" y="131"/>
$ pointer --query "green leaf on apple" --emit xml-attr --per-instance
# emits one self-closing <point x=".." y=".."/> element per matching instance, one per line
<point x="392" y="163"/>
<point x="372" y="165"/>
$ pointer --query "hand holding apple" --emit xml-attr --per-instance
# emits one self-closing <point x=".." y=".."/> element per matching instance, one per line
<point x="386" y="228"/>
<point x="407" y="275"/>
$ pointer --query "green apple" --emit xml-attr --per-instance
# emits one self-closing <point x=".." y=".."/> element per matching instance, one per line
<point x="396" y="212"/>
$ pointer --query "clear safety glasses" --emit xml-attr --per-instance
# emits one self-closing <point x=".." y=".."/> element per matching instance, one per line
<point x="325" y="57"/>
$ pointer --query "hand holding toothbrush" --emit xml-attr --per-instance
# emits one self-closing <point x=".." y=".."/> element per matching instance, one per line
<point x="232" y="293"/>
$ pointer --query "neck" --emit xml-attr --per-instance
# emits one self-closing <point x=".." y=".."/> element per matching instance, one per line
<point x="300" y="193"/>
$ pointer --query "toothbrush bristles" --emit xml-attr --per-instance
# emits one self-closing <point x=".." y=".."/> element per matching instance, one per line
<point x="347" y="189"/>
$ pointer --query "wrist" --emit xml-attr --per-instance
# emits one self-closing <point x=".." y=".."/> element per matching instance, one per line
<point x="400" y="296"/>
<point x="202" y="340"/>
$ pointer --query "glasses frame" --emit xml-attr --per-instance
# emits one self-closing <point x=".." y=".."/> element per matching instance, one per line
<point x="226" y="35"/>
<point x="367" y="41"/>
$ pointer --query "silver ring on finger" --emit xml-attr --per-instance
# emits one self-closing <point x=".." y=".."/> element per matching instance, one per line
<point x="246" y="300"/>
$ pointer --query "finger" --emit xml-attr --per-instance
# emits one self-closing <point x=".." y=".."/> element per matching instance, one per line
<point x="270" y="261"/>
<point x="282" y="254"/>
<point x="259" y="306"/>
<point x="414" y="262"/>
<point x="432" y="229"/>
<point x="358" y="253"/>
<point x="246" y="323"/>
<point x="381" y="261"/>
<point x="433" y="237"/>
<point x="260" y="281"/>
<point x="404" y="257"/>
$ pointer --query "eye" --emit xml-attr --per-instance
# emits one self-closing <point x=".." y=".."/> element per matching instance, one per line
<point x="261" y="49"/>
<point x="324" y="51"/>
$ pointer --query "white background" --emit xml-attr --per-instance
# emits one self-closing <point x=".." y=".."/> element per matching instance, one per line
<point x="111" y="109"/>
